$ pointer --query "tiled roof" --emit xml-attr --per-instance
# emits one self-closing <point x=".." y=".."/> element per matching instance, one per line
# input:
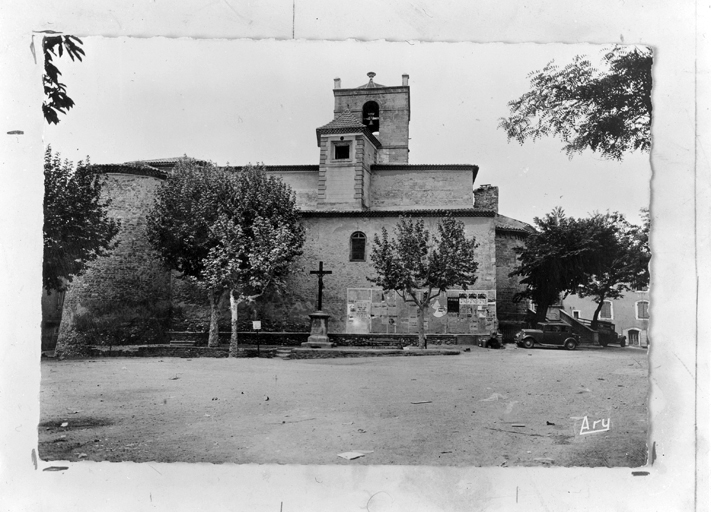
<point x="345" y="119"/>
<point x="285" y="168"/>
<point x="164" y="162"/>
<point x="439" y="212"/>
<point x="346" y="122"/>
<point x="369" y="85"/>
<point x="424" y="167"/>
<point x="159" y="161"/>
<point x="503" y="223"/>
<point x="130" y="168"/>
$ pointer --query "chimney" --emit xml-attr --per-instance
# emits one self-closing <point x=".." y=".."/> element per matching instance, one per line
<point x="336" y="83"/>
<point x="486" y="198"/>
<point x="405" y="79"/>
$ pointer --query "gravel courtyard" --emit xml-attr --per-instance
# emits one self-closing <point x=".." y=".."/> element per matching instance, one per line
<point x="511" y="407"/>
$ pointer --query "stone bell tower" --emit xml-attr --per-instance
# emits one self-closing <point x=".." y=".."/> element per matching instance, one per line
<point x="384" y="110"/>
<point x="370" y="126"/>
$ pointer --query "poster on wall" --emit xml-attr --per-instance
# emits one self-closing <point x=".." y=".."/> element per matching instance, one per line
<point x="370" y="310"/>
<point x="358" y="317"/>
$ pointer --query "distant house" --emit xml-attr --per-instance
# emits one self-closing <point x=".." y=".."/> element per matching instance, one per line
<point x="630" y="314"/>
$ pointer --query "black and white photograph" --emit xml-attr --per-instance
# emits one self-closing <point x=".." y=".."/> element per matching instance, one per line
<point x="432" y="261"/>
<point x="420" y="265"/>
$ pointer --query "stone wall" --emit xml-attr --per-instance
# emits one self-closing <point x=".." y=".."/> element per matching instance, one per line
<point x="132" y="292"/>
<point x="303" y="180"/>
<point x="394" y="106"/>
<point x="486" y="197"/>
<point x="125" y="296"/>
<point x="437" y="187"/>
<point x="508" y="311"/>
<point x="328" y="240"/>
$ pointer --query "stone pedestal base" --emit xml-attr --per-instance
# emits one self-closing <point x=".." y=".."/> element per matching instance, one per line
<point x="319" y="331"/>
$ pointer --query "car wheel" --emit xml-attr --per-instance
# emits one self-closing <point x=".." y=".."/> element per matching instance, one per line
<point x="570" y="344"/>
<point x="528" y="343"/>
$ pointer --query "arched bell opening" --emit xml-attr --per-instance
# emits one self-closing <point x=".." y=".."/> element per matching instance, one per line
<point x="371" y="116"/>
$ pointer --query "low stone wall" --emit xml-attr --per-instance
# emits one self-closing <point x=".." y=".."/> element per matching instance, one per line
<point x="295" y="339"/>
<point x="172" y="351"/>
<point x="330" y="354"/>
<point x="159" y="351"/>
<point x="251" y="351"/>
<point x="282" y="339"/>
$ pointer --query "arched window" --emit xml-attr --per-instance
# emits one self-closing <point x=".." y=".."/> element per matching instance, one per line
<point x="642" y="310"/>
<point x="358" y="246"/>
<point x="371" y="116"/>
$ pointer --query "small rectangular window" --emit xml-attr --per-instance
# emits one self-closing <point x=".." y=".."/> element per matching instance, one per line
<point x="342" y="151"/>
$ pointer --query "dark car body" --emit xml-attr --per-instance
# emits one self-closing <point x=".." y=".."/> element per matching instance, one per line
<point x="551" y="334"/>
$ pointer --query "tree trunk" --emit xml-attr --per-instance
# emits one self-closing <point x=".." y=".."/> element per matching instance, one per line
<point x="541" y="315"/>
<point x="541" y="312"/>
<point x="234" y="343"/>
<point x="213" y="339"/>
<point x="233" y="320"/>
<point x="65" y="335"/>
<point x="70" y="342"/>
<point x="422" y="341"/>
<point x="593" y="324"/>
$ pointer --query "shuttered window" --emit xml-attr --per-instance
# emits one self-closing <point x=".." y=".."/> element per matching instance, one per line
<point x="606" y="311"/>
<point x="642" y="310"/>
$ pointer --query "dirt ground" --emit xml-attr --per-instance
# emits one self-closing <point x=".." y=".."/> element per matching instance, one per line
<point x="512" y="407"/>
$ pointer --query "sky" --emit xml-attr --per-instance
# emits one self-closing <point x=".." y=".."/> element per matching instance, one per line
<point x="249" y="101"/>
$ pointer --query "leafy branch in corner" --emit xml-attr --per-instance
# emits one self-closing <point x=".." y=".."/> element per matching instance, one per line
<point x="608" y="111"/>
<point x="56" y="99"/>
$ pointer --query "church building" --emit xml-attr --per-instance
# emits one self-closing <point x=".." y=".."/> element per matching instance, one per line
<point x="362" y="183"/>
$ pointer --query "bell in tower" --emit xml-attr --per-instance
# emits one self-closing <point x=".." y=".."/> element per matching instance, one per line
<point x="371" y="118"/>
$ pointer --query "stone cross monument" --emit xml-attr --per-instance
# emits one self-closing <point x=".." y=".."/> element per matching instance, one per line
<point x="319" y="319"/>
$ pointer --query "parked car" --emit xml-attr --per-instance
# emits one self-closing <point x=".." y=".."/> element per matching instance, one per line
<point x="556" y="334"/>
<point x="607" y="335"/>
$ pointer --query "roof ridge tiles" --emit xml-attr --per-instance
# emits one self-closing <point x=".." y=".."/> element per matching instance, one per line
<point x="345" y="119"/>
<point x="435" y="212"/>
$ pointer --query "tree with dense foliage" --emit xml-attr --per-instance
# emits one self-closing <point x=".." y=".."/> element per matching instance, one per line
<point x="77" y="226"/>
<point x="621" y="263"/>
<point x="259" y="236"/>
<point x="607" y="111"/>
<point x="56" y="99"/>
<point x="420" y="267"/>
<point x="554" y="260"/>
<point x="601" y="257"/>
<point x="179" y="224"/>
<point x="227" y="230"/>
